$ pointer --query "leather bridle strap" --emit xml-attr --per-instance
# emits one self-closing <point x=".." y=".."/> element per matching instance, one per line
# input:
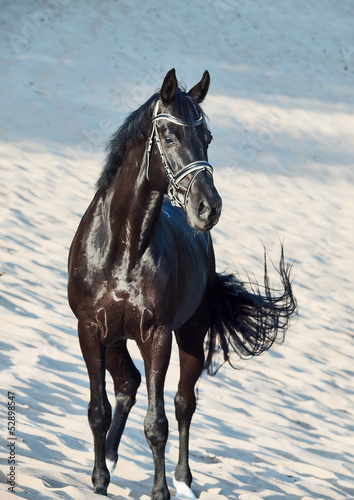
<point x="195" y="167"/>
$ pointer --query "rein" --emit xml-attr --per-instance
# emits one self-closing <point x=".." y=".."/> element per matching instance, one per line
<point x="174" y="180"/>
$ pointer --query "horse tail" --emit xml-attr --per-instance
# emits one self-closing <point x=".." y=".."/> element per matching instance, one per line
<point x="245" y="321"/>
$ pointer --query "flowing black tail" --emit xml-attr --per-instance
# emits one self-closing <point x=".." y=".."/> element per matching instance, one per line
<point x="245" y="321"/>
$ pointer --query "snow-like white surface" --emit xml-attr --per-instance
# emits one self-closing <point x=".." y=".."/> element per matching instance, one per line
<point x="281" y="110"/>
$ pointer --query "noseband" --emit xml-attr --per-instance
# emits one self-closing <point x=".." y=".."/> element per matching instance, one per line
<point x="174" y="180"/>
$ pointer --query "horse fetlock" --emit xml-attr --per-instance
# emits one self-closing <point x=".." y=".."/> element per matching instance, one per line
<point x="111" y="463"/>
<point x="161" y="493"/>
<point x="183" y="475"/>
<point x="111" y="453"/>
<point x="100" y="490"/>
<point x="100" y="480"/>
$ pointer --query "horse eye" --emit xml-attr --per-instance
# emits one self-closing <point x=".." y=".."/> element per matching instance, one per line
<point x="168" y="139"/>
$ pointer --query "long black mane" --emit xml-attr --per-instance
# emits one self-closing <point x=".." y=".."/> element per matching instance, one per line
<point x="136" y="128"/>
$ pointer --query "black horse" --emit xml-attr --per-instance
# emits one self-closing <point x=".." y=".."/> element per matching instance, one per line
<point x="142" y="267"/>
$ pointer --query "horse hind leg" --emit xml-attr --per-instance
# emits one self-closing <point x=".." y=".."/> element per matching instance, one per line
<point x="99" y="409"/>
<point x="191" y="365"/>
<point x="126" y="379"/>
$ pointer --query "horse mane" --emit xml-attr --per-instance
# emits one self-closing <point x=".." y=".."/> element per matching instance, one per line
<point x="135" y="128"/>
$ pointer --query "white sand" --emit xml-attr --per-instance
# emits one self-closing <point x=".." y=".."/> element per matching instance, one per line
<point x="281" y="111"/>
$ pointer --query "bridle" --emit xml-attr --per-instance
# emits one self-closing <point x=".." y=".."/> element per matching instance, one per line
<point x="174" y="180"/>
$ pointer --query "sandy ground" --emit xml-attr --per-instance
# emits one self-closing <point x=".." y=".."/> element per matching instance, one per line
<point x="281" y="109"/>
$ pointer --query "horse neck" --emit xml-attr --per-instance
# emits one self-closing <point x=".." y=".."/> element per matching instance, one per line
<point x="134" y="208"/>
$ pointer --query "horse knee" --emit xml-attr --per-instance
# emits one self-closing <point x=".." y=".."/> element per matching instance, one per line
<point x="99" y="416"/>
<point x="156" y="429"/>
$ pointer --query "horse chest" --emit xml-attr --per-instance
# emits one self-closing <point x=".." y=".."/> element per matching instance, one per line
<point x="124" y="315"/>
<point x="134" y="310"/>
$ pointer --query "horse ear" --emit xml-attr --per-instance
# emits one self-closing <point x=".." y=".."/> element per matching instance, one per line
<point x="169" y="87"/>
<point x="200" y="90"/>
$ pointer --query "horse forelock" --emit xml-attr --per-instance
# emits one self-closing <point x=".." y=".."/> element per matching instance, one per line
<point x="188" y="110"/>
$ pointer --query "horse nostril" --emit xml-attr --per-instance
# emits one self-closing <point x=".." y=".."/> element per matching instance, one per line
<point x="204" y="210"/>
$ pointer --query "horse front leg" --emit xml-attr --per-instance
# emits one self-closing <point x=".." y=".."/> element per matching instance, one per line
<point x="99" y="408"/>
<point x="156" y="354"/>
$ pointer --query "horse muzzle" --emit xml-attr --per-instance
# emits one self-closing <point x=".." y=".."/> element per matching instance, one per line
<point x="207" y="214"/>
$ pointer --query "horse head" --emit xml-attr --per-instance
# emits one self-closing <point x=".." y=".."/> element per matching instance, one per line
<point x="177" y="156"/>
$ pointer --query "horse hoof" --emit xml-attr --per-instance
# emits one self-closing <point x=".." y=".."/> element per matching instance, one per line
<point x="183" y="490"/>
